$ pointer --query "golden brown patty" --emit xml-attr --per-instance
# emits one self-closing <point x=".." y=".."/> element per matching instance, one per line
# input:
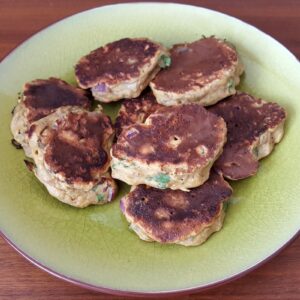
<point x="204" y="71"/>
<point x="74" y="144"/>
<point x="42" y="97"/>
<point x="254" y="126"/>
<point x="168" y="216"/>
<point x="192" y="64"/>
<point x="118" y="61"/>
<point x="175" y="148"/>
<point x="136" y="110"/>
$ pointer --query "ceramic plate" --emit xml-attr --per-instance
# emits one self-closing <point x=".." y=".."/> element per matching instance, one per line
<point x="93" y="246"/>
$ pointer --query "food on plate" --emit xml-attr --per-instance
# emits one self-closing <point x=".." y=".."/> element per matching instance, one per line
<point x="172" y="150"/>
<point x="204" y="71"/>
<point x="136" y="110"/>
<point x="177" y="217"/>
<point x="121" y="69"/>
<point x="175" y="148"/>
<point x="40" y="98"/>
<point x="254" y="127"/>
<point x="70" y="150"/>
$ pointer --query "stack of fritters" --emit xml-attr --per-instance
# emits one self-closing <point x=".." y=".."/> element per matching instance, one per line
<point x="172" y="150"/>
<point x="174" y="156"/>
<point x="69" y="145"/>
<point x="175" y="197"/>
<point x="39" y="99"/>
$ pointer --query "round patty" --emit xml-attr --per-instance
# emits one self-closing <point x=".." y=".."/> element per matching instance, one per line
<point x="121" y="69"/>
<point x="71" y="153"/>
<point x="167" y="216"/>
<point x="204" y="71"/>
<point x="40" y="98"/>
<point x="254" y="127"/>
<point x="175" y="148"/>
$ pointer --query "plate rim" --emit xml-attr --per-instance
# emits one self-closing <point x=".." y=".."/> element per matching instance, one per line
<point x="163" y="293"/>
<point x="118" y="292"/>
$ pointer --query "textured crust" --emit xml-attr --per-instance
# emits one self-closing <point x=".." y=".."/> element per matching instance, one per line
<point x="40" y="98"/>
<point x="136" y="110"/>
<point x="73" y="144"/>
<point x="204" y="71"/>
<point x="176" y="146"/>
<point x="254" y="127"/>
<point x="71" y="153"/>
<point x="168" y="216"/>
<point x="121" y="69"/>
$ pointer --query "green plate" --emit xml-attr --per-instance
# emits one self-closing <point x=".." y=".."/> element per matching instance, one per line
<point x="93" y="246"/>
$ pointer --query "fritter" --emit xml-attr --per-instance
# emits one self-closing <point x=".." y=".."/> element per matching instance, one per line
<point x="40" y="98"/>
<point x="204" y="72"/>
<point x="121" y="69"/>
<point x="177" y="217"/>
<point x="175" y="148"/>
<point x="71" y="154"/>
<point x="254" y="127"/>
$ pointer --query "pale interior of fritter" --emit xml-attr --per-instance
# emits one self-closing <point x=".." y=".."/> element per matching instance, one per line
<point x="19" y="126"/>
<point x="100" y="193"/>
<point x="266" y="142"/>
<point x="217" y="89"/>
<point x="160" y="176"/>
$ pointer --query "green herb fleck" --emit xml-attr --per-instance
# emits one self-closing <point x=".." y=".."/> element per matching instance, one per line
<point x="94" y="188"/>
<point x="162" y="180"/>
<point x="225" y="205"/>
<point x="165" y="61"/>
<point x="100" y="197"/>
<point x="229" y="44"/>
<point x="230" y="84"/>
<point x="124" y="165"/>
<point x="255" y="151"/>
<point x="20" y="95"/>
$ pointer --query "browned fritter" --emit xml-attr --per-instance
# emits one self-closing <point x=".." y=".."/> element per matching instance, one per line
<point x="136" y="110"/>
<point x="247" y="119"/>
<point x="76" y="146"/>
<point x="169" y="216"/>
<point x="195" y="64"/>
<point x="184" y="126"/>
<point x="43" y="96"/>
<point x="117" y="61"/>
